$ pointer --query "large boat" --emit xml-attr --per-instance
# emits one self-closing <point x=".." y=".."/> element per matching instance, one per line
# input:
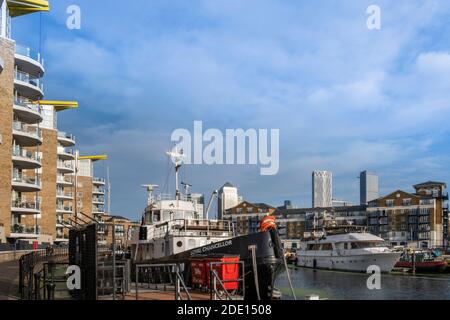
<point x="177" y="230"/>
<point x="346" y="248"/>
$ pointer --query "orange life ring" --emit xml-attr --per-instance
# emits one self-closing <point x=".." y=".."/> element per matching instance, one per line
<point x="268" y="223"/>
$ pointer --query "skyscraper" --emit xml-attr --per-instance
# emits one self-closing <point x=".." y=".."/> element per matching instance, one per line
<point x="368" y="187"/>
<point x="322" y="189"/>
<point x="227" y="198"/>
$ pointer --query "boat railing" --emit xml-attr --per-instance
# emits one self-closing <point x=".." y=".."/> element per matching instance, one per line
<point x="198" y="227"/>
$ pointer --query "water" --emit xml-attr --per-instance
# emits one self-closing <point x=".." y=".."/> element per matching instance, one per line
<point x="338" y="285"/>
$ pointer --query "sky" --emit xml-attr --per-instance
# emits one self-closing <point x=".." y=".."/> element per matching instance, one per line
<point x="344" y="97"/>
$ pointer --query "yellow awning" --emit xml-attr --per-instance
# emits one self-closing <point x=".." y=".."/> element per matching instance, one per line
<point x="94" y="158"/>
<point x="59" y="105"/>
<point x="22" y="7"/>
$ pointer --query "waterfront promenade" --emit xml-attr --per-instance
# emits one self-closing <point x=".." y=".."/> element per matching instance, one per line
<point x="9" y="280"/>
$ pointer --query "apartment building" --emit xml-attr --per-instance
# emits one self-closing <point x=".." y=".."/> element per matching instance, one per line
<point x="123" y="229"/>
<point x="246" y="216"/>
<point x="294" y="223"/>
<point x="418" y="219"/>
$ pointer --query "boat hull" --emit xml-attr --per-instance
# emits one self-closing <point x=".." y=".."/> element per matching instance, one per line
<point x="269" y="256"/>
<point x="428" y="266"/>
<point x="354" y="263"/>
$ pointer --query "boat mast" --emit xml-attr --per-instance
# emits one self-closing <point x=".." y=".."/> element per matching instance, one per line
<point x="177" y="159"/>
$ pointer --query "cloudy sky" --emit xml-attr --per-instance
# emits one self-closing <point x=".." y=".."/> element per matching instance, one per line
<point x="345" y="98"/>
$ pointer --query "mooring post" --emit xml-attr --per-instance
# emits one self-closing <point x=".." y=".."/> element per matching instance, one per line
<point x="252" y="248"/>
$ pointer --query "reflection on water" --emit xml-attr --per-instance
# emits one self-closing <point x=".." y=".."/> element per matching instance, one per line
<point x="338" y="285"/>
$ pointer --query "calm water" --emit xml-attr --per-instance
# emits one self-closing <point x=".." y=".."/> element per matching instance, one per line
<point x="337" y="285"/>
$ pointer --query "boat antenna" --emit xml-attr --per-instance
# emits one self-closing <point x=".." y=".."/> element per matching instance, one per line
<point x="186" y="187"/>
<point x="150" y="188"/>
<point x="177" y="158"/>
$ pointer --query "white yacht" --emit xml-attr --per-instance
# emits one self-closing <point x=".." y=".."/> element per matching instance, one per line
<point x="347" y="251"/>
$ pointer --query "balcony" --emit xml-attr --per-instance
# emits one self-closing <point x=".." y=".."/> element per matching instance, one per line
<point x="28" y="112"/>
<point x="96" y="210"/>
<point x="98" y="191"/>
<point x="64" y="195"/>
<point x="98" y="201"/>
<point x="64" y="209"/>
<point x="99" y="181"/>
<point x="65" y="167"/>
<point x="64" y="181"/>
<point x="24" y="159"/>
<point x="65" y="154"/>
<point x="28" y="60"/>
<point x="66" y="140"/>
<point x="25" y="232"/>
<point x="27" y="135"/>
<point x="28" y="86"/>
<point x="25" y="207"/>
<point x="22" y="183"/>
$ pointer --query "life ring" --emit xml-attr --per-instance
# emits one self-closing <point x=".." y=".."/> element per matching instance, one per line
<point x="268" y="223"/>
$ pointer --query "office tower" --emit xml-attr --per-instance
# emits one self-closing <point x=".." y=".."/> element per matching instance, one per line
<point x="226" y="199"/>
<point x="368" y="187"/>
<point x="322" y="186"/>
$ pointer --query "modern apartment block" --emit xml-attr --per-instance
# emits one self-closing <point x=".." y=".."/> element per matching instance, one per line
<point x="246" y="216"/>
<point x="37" y="160"/>
<point x="123" y="229"/>
<point x="226" y="199"/>
<point x="297" y="222"/>
<point x="418" y="219"/>
<point x="368" y="187"/>
<point x="322" y="189"/>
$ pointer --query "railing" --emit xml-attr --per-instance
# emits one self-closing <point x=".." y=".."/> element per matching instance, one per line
<point x="22" y="153"/>
<point x="30" y="53"/>
<point x="186" y="226"/>
<point x="98" y="190"/>
<point x="22" y="229"/>
<point x="64" y="165"/>
<point x="64" y="208"/>
<point x="98" y="200"/>
<point x="19" y="204"/>
<point x="98" y="210"/>
<point x="64" y="135"/>
<point x="60" y="193"/>
<point x="28" y="104"/>
<point x="21" y="178"/>
<point x="25" y="128"/>
<point x="65" y="151"/>
<point x="25" y="77"/>
<point x="100" y="180"/>
<point x="64" y="179"/>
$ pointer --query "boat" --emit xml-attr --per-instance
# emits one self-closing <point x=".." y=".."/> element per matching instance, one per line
<point x="424" y="261"/>
<point x="177" y="230"/>
<point x="346" y="248"/>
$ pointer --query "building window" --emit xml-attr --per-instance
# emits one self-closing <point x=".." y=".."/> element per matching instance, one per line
<point x="406" y="202"/>
<point x="389" y="203"/>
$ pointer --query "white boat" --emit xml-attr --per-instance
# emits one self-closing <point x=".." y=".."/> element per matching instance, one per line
<point x="348" y="251"/>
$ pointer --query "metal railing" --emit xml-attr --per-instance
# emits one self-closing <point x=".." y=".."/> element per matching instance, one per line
<point x="64" y="135"/>
<point x="60" y="207"/>
<point x="217" y="286"/>
<point x="99" y="180"/>
<point x="19" y="204"/>
<point x="190" y="226"/>
<point x="30" y="53"/>
<point x="64" y="179"/>
<point x="22" y="178"/>
<point x="22" y="153"/>
<point x="25" y="103"/>
<point x="28" y="129"/>
<point x="22" y="229"/>
<point x="64" y="165"/>
<point x="27" y="78"/>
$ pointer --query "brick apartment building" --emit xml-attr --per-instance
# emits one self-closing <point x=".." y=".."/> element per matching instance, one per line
<point x="246" y="216"/>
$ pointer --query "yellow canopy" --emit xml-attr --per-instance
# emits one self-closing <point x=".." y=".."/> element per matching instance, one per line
<point x="59" y="105"/>
<point x="94" y="158"/>
<point x="22" y="7"/>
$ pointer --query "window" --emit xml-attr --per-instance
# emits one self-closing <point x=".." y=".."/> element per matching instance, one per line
<point x="389" y="203"/>
<point x="406" y="202"/>
<point x="327" y="246"/>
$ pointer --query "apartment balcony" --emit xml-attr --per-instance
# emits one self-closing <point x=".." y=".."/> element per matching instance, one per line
<point x="22" y="183"/>
<point x="98" y="181"/>
<point x="66" y="140"/>
<point x="25" y="232"/>
<point x="64" y="181"/>
<point x="28" y="60"/>
<point x="64" y="209"/>
<point x="24" y="159"/>
<point x="64" y="195"/>
<point x="97" y="211"/>
<point x="98" y="191"/>
<point x="26" y="135"/>
<point x="25" y="207"/>
<point x="28" y="112"/>
<point x="65" y="167"/>
<point x="65" y="154"/>
<point x="28" y="86"/>
<point x="98" y="201"/>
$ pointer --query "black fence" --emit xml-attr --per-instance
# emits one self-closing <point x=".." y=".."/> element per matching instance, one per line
<point x="31" y="267"/>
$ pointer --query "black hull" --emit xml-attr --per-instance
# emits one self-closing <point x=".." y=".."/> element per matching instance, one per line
<point x="269" y="258"/>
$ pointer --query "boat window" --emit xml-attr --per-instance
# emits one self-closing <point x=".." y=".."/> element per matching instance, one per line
<point x="156" y="216"/>
<point x="354" y="245"/>
<point x="327" y="246"/>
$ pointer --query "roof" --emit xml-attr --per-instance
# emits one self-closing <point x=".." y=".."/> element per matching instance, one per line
<point x="117" y="218"/>
<point x="349" y="237"/>
<point x="94" y="158"/>
<point x="430" y="183"/>
<point x="393" y="193"/>
<point x="22" y="7"/>
<point x="228" y="185"/>
<point x="282" y="211"/>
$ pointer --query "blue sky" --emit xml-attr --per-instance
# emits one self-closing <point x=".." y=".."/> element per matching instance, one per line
<point x="345" y="98"/>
